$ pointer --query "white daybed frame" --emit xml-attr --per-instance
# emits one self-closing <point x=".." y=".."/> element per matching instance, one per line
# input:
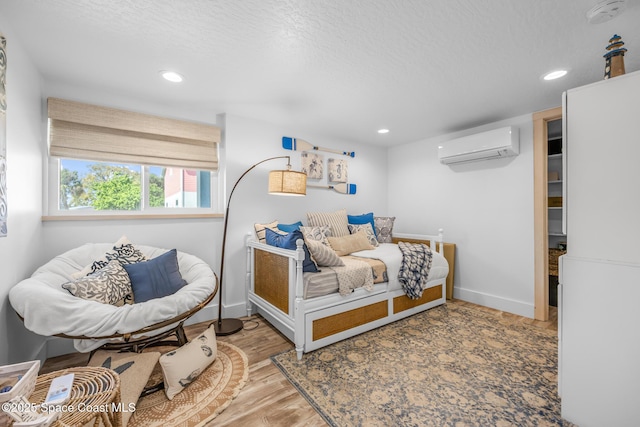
<point x="275" y="290"/>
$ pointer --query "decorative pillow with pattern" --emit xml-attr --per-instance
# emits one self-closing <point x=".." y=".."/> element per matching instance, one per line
<point x="366" y="228"/>
<point x="384" y="228"/>
<point x="260" y="230"/>
<point x="123" y="251"/>
<point x="337" y="221"/>
<point x="362" y="219"/>
<point x="109" y="285"/>
<point x="182" y="366"/>
<point x="323" y="254"/>
<point x="319" y="234"/>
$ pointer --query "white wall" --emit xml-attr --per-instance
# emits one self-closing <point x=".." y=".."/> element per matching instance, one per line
<point x="485" y="208"/>
<point x="20" y="251"/>
<point x="249" y="141"/>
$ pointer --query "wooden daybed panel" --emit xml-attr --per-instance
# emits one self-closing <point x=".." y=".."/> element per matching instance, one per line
<point x="272" y="279"/>
<point x="341" y="322"/>
<point x="403" y="302"/>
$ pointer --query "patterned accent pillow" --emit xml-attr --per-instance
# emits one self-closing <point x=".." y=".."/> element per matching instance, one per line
<point x="109" y="285"/>
<point x="384" y="228"/>
<point x="319" y="234"/>
<point x="260" y="230"/>
<point x="324" y="255"/>
<point x="337" y="221"/>
<point x="182" y="366"/>
<point x="123" y="251"/>
<point x="354" y="228"/>
<point x="351" y="243"/>
<point x="362" y="219"/>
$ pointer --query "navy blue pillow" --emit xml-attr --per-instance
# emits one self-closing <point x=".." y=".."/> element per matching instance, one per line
<point x="155" y="278"/>
<point x="288" y="241"/>
<point x="363" y="219"/>
<point x="288" y="228"/>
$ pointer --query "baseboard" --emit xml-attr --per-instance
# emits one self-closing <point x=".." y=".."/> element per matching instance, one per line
<point x="499" y="303"/>
<point x="59" y="346"/>
<point x="207" y="314"/>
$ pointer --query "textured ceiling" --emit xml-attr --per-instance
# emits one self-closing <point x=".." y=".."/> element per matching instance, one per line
<point x="340" y="68"/>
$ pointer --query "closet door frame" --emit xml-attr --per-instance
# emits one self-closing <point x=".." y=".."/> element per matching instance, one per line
<point x="540" y="207"/>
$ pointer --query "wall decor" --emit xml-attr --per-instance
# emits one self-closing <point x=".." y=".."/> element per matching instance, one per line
<point x="297" y="144"/>
<point x="614" y="58"/>
<point x="312" y="165"/>
<point x="342" y="188"/>
<point x="3" y="136"/>
<point x="337" y="170"/>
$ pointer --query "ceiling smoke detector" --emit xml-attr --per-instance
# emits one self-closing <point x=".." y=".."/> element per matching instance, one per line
<point x="605" y="11"/>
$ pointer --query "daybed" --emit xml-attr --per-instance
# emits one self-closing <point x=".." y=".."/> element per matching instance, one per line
<point x="276" y="290"/>
<point x="48" y="309"/>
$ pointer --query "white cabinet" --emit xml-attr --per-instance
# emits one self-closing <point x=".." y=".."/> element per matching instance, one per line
<point x="599" y="342"/>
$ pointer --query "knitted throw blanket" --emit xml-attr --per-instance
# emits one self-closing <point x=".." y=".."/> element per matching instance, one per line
<point x="414" y="269"/>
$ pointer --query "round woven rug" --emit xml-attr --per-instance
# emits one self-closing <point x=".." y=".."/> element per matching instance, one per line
<point x="203" y="399"/>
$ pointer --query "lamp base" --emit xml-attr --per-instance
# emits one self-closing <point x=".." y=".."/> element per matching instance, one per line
<point x="228" y="326"/>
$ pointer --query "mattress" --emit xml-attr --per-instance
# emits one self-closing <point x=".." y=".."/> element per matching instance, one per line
<point x="325" y="282"/>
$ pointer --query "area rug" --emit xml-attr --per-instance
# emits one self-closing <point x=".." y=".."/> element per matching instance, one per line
<point x="452" y="365"/>
<point x="202" y="400"/>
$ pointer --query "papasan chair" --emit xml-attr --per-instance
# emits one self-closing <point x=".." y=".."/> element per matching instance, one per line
<point x="47" y="308"/>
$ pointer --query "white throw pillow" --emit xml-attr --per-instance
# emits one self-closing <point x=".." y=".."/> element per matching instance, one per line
<point x="182" y="366"/>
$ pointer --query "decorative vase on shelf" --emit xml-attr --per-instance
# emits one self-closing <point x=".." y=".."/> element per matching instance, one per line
<point x="614" y="65"/>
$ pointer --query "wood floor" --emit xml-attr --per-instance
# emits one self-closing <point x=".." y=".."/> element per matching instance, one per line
<point x="268" y="399"/>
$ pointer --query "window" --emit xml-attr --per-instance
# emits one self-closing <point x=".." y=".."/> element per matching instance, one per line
<point x="109" y="162"/>
<point x="87" y="186"/>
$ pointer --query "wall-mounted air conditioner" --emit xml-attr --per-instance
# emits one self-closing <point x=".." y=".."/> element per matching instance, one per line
<point x="493" y="144"/>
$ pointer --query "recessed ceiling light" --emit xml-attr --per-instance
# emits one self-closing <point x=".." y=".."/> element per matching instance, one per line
<point x="383" y="130"/>
<point x="172" y="76"/>
<point x="555" y="75"/>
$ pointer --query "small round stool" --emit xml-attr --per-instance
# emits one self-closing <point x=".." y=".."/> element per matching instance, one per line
<point x="95" y="396"/>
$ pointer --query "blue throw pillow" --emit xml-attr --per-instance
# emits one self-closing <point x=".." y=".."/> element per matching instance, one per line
<point x="288" y="241"/>
<point x="288" y="228"/>
<point x="155" y="278"/>
<point x="363" y="219"/>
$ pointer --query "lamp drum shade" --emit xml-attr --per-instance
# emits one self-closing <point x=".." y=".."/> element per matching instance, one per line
<point x="287" y="183"/>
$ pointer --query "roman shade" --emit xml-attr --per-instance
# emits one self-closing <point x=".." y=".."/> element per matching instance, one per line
<point x="90" y="132"/>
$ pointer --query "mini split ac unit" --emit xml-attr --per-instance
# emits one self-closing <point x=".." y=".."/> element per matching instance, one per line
<point x="493" y="144"/>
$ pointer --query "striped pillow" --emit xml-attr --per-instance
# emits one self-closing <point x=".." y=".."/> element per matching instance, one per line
<point x="337" y="221"/>
<point x="323" y="255"/>
<point x="260" y="230"/>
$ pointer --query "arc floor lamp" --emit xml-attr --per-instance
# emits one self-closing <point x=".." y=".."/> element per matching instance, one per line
<point x="282" y="183"/>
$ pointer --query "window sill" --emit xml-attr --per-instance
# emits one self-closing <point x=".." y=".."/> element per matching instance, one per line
<point x="128" y="217"/>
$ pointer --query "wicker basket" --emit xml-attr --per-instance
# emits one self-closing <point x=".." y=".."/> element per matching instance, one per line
<point x="26" y="384"/>
<point x="554" y="254"/>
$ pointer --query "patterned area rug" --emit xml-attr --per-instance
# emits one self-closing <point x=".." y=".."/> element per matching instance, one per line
<point x="452" y="365"/>
<point x="203" y="400"/>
